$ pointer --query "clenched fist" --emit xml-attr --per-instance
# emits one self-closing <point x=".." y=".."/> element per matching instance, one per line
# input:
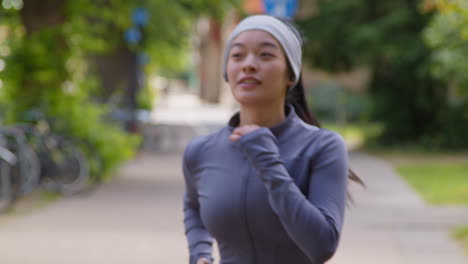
<point x="241" y="131"/>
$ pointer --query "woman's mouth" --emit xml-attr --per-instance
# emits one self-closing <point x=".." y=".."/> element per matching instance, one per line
<point x="249" y="82"/>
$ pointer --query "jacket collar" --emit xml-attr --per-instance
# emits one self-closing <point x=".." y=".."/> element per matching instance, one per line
<point x="277" y="129"/>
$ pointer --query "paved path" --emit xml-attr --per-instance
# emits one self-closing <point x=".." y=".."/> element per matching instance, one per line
<point x="391" y="224"/>
<point x="137" y="218"/>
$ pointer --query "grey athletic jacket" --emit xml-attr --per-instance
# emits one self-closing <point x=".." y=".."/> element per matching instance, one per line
<point x="275" y="196"/>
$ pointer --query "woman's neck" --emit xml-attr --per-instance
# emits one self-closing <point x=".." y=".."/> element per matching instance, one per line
<point x="264" y="116"/>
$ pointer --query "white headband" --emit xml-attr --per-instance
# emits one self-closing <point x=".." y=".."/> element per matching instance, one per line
<point x="279" y="30"/>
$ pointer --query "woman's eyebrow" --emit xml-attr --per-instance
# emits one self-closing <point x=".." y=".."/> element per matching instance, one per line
<point x="237" y="44"/>
<point x="262" y="44"/>
<point x="268" y="44"/>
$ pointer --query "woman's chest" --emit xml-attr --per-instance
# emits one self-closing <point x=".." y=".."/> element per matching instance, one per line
<point x="232" y="196"/>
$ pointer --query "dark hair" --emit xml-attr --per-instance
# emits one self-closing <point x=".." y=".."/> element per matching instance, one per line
<point x="296" y="97"/>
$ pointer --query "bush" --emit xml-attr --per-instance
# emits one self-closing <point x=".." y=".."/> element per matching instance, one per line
<point x="328" y="100"/>
<point x="84" y="122"/>
<point x="59" y="87"/>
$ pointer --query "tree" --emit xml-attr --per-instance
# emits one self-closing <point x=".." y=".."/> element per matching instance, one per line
<point x="387" y="37"/>
<point x="164" y="38"/>
<point x="46" y="48"/>
<point x="447" y="35"/>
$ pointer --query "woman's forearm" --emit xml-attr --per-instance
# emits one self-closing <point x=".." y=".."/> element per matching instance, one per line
<point x="313" y="222"/>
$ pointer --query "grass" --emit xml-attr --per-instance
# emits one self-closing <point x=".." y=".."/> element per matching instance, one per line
<point x="461" y="234"/>
<point x="439" y="183"/>
<point x="441" y="177"/>
<point x="48" y="197"/>
<point x="33" y="201"/>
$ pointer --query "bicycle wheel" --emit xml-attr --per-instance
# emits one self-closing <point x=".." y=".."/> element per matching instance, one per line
<point x="25" y="172"/>
<point x="32" y="168"/>
<point x="7" y="159"/>
<point x="66" y="170"/>
<point x="6" y="193"/>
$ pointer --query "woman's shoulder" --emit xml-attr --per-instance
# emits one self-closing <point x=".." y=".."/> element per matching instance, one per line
<point x="321" y="138"/>
<point x="200" y="144"/>
<point x="330" y="143"/>
<point x="330" y="135"/>
<point x="323" y="134"/>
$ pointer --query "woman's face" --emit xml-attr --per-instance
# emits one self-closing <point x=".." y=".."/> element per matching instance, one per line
<point x="257" y="70"/>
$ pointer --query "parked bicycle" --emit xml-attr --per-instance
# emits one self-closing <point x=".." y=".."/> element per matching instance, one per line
<point x="26" y="171"/>
<point x="7" y="161"/>
<point x="64" y="167"/>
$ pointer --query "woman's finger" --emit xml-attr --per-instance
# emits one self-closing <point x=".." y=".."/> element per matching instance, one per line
<point x="234" y="137"/>
<point x="241" y="131"/>
<point x="203" y="261"/>
<point x="245" y="129"/>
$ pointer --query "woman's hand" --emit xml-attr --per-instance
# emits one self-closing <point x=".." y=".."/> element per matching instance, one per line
<point x="241" y="131"/>
<point x="203" y="261"/>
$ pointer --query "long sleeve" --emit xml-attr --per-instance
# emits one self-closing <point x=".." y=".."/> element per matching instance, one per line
<point x="314" y="223"/>
<point x="199" y="240"/>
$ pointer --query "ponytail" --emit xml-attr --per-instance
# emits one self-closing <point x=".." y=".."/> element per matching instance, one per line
<point x="296" y="97"/>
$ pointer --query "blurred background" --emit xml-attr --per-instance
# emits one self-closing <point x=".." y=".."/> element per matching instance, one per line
<point x="98" y="99"/>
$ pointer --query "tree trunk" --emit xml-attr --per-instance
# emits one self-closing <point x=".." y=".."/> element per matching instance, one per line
<point x="36" y="15"/>
<point x="114" y="73"/>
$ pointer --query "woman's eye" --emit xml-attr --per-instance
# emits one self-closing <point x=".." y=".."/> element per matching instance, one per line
<point x="266" y="54"/>
<point x="236" y="55"/>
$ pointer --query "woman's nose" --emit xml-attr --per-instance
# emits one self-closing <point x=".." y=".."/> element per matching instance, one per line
<point x="250" y="64"/>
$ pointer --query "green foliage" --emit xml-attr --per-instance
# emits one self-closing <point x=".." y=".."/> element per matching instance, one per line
<point x="45" y="83"/>
<point x="146" y="98"/>
<point x="409" y="101"/>
<point x="83" y="121"/>
<point x="49" y="74"/>
<point x="328" y="101"/>
<point x="50" y="70"/>
<point x="99" y="26"/>
<point x="344" y="34"/>
<point x="447" y="34"/>
<point x="323" y="99"/>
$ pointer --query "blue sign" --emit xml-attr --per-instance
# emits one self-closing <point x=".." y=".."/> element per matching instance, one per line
<point x="133" y="35"/>
<point x="281" y="8"/>
<point x="140" y="16"/>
